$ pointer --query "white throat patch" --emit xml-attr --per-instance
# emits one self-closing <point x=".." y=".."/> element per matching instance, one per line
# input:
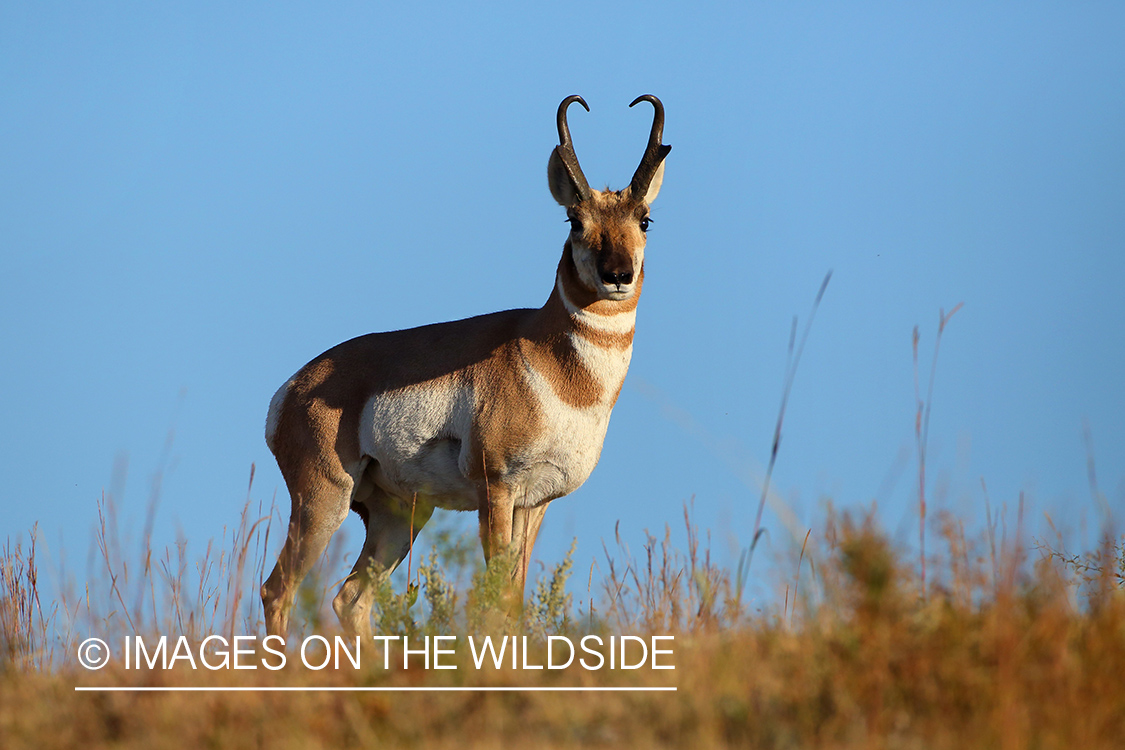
<point x="619" y="322"/>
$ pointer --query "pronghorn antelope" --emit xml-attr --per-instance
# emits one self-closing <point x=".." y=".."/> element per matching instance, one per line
<point x="500" y="413"/>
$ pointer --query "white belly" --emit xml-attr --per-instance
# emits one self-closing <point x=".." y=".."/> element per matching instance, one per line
<point x="418" y="437"/>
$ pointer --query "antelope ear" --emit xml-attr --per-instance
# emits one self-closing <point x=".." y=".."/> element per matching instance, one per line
<point x="558" y="180"/>
<point x="654" y="185"/>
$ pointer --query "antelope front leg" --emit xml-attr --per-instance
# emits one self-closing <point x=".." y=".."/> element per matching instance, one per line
<point x="525" y="527"/>
<point x="497" y="510"/>
<point x="497" y="506"/>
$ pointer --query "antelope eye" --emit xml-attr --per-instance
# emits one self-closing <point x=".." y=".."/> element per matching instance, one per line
<point x="644" y="224"/>
<point x="575" y="224"/>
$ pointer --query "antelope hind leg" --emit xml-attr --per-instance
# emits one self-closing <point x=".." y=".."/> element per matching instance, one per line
<point x="388" y="542"/>
<point x="319" y="506"/>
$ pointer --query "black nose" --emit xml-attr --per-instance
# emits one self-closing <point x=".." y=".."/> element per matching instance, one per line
<point x="617" y="279"/>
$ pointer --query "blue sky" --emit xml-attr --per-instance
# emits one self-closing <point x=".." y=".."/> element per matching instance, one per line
<point x="197" y="199"/>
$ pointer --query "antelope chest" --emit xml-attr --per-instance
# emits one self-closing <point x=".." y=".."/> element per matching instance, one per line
<point x="569" y="443"/>
<point x="562" y="457"/>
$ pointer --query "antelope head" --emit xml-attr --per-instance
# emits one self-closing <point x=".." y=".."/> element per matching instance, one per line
<point x="607" y="228"/>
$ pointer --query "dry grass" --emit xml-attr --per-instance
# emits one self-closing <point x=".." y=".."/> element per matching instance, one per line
<point x="999" y="653"/>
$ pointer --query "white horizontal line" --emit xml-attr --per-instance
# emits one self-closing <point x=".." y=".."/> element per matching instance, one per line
<point x="282" y="689"/>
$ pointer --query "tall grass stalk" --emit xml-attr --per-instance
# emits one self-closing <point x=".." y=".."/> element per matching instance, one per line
<point x="922" y="432"/>
<point x="793" y="359"/>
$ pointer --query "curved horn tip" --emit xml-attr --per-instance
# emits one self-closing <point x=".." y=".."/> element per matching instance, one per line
<point x="647" y="98"/>
<point x="657" y="116"/>
<point x="560" y="117"/>
<point x="574" y="98"/>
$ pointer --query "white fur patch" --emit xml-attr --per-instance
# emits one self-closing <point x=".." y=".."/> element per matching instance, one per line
<point x="420" y="438"/>
<point x="567" y="450"/>
<point x="608" y="365"/>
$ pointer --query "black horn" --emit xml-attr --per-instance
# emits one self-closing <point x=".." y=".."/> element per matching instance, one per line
<point x="565" y="149"/>
<point x="654" y="152"/>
